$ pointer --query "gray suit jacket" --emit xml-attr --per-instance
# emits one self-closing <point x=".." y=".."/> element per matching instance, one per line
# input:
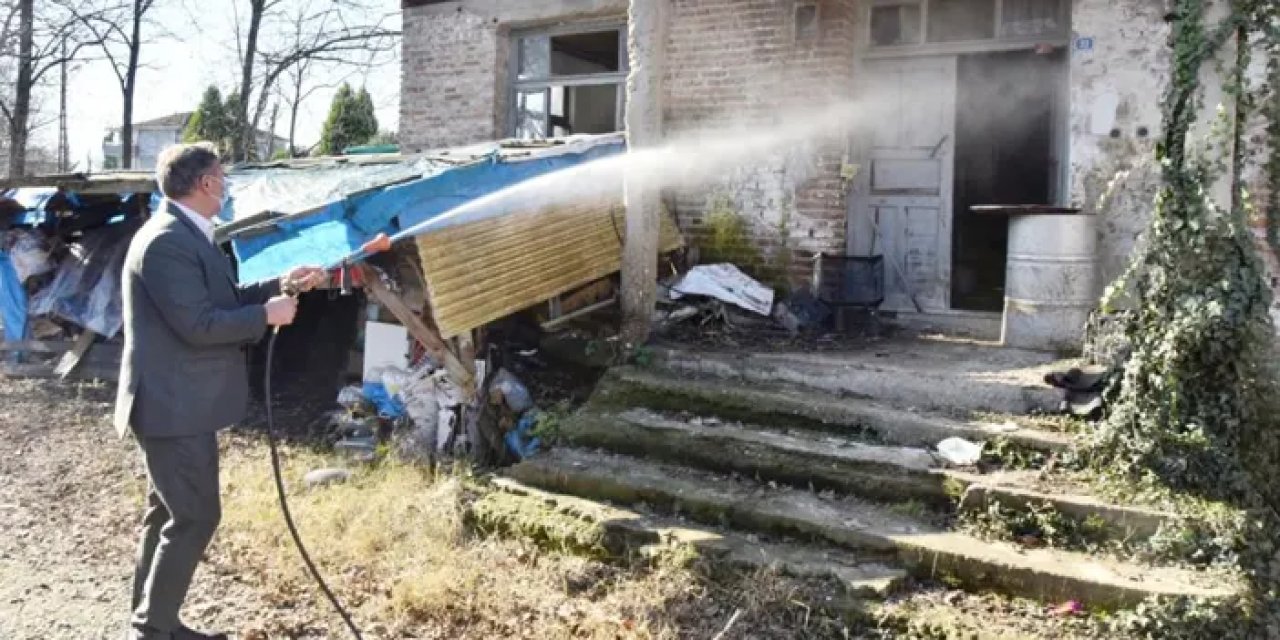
<point x="186" y="326"/>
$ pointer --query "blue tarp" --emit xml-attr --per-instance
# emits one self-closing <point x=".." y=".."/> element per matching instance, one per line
<point x="13" y="301"/>
<point x="338" y="229"/>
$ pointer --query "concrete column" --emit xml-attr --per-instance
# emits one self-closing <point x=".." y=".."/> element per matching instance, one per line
<point x="1214" y="76"/>
<point x="646" y="45"/>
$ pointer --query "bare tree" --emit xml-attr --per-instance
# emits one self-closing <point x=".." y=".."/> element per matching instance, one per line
<point x="117" y="28"/>
<point x="335" y="32"/>
<point x="299" y="84"/>
<point x="45" y="40"/>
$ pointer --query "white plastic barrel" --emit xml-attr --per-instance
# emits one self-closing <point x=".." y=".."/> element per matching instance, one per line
<point x="1049" y="281"/>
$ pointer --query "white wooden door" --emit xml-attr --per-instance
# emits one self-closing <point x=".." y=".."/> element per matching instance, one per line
<point x="901" y="206"/>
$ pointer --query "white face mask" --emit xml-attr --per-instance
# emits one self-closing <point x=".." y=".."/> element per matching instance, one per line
<point x="226" y="194"/>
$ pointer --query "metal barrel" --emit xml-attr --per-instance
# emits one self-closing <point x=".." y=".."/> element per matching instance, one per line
<point x="1049" y="281"/>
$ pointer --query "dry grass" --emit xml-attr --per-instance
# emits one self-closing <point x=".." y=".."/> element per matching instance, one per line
<point x="394" y="544"/>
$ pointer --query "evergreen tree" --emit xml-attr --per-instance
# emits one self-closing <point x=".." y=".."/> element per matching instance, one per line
<point x="366" y="121"/>
<point x="209" y="122"/>
<point x="351" y="121"/>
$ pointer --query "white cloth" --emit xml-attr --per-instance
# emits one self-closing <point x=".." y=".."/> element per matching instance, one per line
<point x="205" y="225"/>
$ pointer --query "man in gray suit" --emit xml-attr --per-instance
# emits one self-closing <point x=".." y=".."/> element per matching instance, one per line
<point x="183" y="377"/>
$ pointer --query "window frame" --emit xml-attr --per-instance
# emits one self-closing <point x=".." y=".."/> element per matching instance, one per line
<point x="516" y="86"/>
<point x="995" y="43"/>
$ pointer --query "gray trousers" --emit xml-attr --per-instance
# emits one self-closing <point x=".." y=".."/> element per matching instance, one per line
<point x="183" y="510"/>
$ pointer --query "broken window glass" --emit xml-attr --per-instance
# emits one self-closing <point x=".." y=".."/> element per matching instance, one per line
<point x="586" y="53"/>
<point x="895" y="25"/>
<point x="960" y="20"/>
<point x="532" y="115"/>
<point x="1032" y="18"/>
<point x="534" y="58"/>
<point x="568" y="83"/>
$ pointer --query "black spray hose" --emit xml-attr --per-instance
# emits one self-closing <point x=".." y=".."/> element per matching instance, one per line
<point x="284" y="502"/>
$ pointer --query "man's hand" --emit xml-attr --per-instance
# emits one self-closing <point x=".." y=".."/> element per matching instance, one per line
<point x="280" y="310"/>
<point x="304" y="279"/>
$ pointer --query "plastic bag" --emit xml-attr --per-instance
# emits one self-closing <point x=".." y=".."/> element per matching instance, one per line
<point x="86" y="289"/>
<point x="960" y="452"/>
<point x="29" y="253"/>
<point x="513" y="391"/>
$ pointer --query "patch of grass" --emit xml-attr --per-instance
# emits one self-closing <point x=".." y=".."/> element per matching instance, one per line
<point x="396" y="545"/>
<point x="1007" y="454"/>
<point x="911" y="508"/>
<point x="1037" y="525"/>
<point x="1057" y="423"/>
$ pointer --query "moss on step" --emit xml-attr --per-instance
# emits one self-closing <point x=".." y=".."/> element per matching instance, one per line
<point x="728" y="454"/>
<point x="509" y="514"/>
<point x="618" y="394"/>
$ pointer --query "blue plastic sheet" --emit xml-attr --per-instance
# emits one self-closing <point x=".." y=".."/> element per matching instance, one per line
<point x="86" y="287"/>
<point x="337" y="230"/>
<point x="13" y="301"/>
<point x="388" y="406"/>
<point x="520" y="440"/>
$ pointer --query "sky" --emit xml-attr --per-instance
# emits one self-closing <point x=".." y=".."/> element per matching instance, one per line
<point x="198" y="51"/>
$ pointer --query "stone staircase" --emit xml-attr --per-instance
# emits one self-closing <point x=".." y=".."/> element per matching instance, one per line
<point x="824" y="464"/>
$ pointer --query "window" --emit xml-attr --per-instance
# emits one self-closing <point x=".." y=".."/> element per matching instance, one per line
<point x="1032" y="18"/>
<point x="568" y="83"/>
<point x="961" y="20"/>
<point x="895" y="23"/>
<point x="806" y="22"/>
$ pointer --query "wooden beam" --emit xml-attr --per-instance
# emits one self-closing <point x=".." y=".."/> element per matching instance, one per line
<point x="87" y="184"/>
<point x="552" y="325"/>
<point x="36" y="346"/>
<point x="435" y="345"/>
<point x="71" y="359"/>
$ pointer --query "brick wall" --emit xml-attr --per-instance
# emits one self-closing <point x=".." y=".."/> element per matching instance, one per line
<point x="449" y="78"/>
<point x="455" y="56"/>
<point x="730" y="62"/>
<point x="739" y="63"/>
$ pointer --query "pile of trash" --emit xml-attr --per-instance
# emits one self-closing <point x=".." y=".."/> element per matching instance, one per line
<point x="721" y="299"/>
<point x="425" y="417"/>
<point x="52" y="288"/>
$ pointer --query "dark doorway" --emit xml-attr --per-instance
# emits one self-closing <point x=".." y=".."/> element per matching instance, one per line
<point x="1005" y="115"/>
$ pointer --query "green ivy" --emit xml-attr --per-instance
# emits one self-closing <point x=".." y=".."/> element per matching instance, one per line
<point x="1194" y="408"/>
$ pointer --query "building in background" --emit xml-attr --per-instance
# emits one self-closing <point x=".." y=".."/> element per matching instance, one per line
<point x="152" y="136"/>
<point x="959" y="103"/>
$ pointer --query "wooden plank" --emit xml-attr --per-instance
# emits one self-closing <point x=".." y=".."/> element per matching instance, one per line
<point x="14" y="370"/>
<point x="36" y="346"/>
<point x="71" y="359"/>
<point x="46" y="372"/>
<point x="552" y="325"/>
<point x="434" y="344"/>
<point x="87" y="184"/>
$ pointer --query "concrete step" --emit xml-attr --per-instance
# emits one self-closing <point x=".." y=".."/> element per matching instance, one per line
<point x="567" y="522"/>
<point x="924" y="549"/>
<point x="947" y="376"/>
<point x="779" y="405"/>
<point x="820" y="461"/>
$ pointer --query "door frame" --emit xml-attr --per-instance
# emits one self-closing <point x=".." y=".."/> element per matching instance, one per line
<point x="857" y="229"/>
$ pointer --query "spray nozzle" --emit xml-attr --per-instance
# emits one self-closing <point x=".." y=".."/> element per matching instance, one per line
<point x="379" y="243"/>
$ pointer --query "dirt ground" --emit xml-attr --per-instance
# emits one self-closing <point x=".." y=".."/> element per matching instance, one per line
<point x="70" y="500"/>
<point x="392" y="543"/>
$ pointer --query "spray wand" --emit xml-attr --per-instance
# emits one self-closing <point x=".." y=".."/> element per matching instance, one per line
<point x="378" y="244"/>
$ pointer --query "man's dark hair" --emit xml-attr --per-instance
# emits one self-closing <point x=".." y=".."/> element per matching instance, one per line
<point x="181" y="166"/>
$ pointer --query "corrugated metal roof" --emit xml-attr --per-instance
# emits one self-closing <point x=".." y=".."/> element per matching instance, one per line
<point x="486" y="270"/>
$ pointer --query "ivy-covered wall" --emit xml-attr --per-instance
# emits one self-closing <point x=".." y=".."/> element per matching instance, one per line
<point x="1119" y="73"/>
